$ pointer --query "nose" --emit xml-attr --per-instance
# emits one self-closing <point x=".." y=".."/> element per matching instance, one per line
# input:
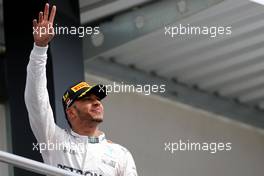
<point x="96" y="102"/>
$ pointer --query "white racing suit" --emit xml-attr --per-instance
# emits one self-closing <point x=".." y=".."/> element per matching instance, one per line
<point x="67" y="149"/>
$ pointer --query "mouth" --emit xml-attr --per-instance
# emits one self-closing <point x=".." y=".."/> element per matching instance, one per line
<point x="97" y="110"/>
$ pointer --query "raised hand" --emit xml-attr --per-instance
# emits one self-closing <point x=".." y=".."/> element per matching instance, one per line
<point x="43" y="31"/>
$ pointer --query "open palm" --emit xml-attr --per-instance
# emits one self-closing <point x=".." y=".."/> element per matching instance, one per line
<point x="43" y="28"/>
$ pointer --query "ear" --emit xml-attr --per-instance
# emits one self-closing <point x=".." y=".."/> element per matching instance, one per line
<point x="71" y="113"/>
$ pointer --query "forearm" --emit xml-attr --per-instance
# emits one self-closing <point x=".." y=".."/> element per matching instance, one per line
<point x="36" y="82"/>
<point x="36" y="95"/>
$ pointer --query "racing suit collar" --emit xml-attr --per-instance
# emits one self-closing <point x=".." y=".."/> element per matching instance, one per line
<point x="90" y="139"/>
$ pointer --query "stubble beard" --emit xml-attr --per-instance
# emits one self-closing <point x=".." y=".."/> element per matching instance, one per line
<point x="83" y="115"/>
<point x="91" y="118"/>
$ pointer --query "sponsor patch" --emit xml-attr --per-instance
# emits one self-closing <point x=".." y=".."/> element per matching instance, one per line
<point x="79" y="86"/>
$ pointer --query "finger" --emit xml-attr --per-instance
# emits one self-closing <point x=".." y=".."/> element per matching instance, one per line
<point x="51" y="31"/>
<point x="52" y="14"/>
<point x="40" y="17"/>
<point x="35" y="23"/>
<point x="46" y="12"/>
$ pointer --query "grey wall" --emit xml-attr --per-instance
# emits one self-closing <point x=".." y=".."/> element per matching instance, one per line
<point x="144" y="123"/>
<point x="3" y="139"/>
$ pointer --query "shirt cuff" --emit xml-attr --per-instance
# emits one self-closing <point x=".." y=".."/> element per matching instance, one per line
<point x="40" y="51"/>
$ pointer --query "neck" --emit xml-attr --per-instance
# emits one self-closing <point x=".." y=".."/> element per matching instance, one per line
<point x="87" y="130"/>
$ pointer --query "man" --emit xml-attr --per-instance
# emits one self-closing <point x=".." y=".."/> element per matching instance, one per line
<point x="85" y="149"/>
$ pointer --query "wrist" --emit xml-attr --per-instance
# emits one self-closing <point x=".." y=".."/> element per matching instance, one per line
<point x="41" y="44"/>
<point x="39" y="50"/>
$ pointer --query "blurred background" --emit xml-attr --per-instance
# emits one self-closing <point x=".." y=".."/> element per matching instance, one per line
<point x="214" y="85"/>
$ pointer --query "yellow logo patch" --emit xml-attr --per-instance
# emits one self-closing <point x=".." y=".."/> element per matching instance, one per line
<point x="65" y="96"/>
<point x="79" y="86"/>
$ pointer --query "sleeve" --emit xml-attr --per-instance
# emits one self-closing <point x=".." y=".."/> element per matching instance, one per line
<point x="36" y="96"/>
<point x="129" y="168"/>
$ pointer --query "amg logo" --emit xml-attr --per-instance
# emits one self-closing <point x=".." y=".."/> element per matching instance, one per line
<point x="78" y="171"/>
